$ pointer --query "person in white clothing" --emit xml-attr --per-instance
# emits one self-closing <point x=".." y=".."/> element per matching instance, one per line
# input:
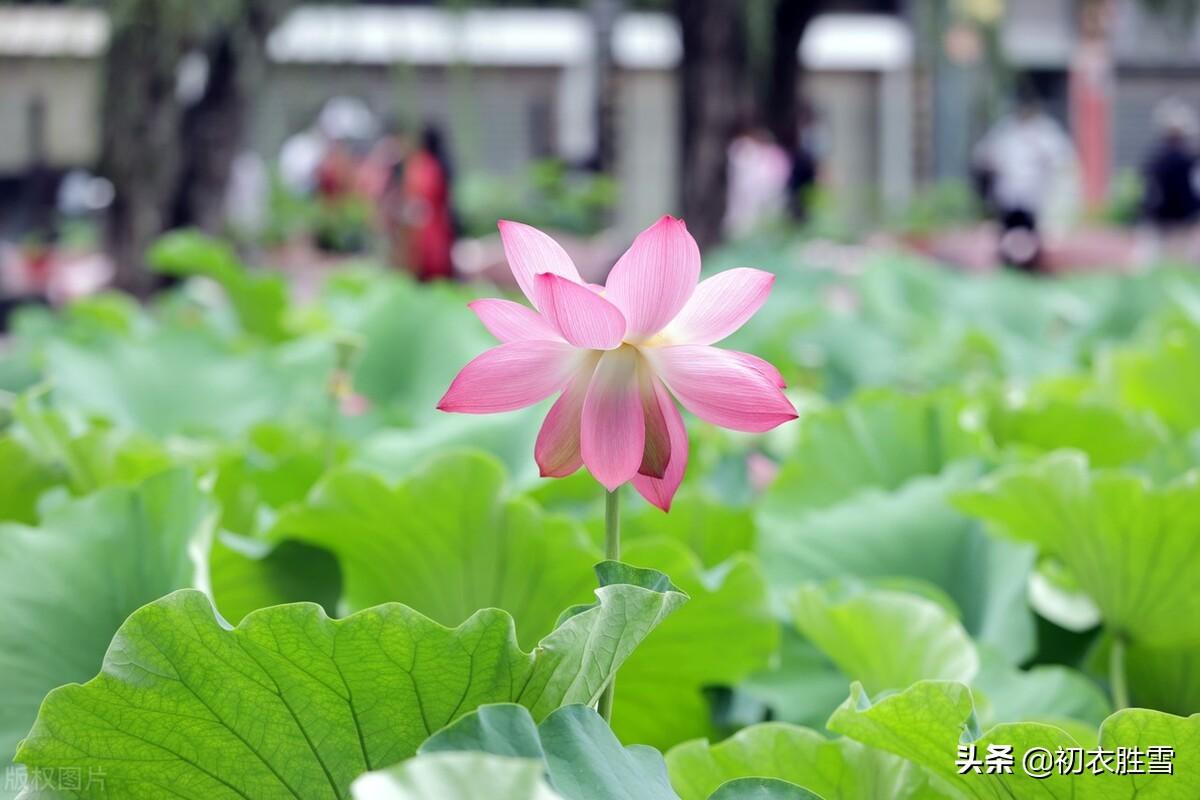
<point x="1022" y="155"/>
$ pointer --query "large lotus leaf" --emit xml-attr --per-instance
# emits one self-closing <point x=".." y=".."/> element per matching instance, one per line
<point x="69" y="584"/>
<point x="260" y="300"/>
<point x="929" y="721"/>
<point x="397" y="452"/>
<point x="85" y="454"/>
<point x="835" y="769"/>
<point x="1167" y="679"/>
<point x="883" y="638"/>
<point x="247" y="574"/>
<point x="1164" y="379"/>
<point x="456" y="776"/>
<point x="1144" y="729"/>
<point x="583" y="758"/>
<point x="893" y="638"/>
<point x="911" y="533"/>
<point x="1052" y="694"/>
<point x="661" y="698"/>
<point x="1129" y="546"/>
<point x="415" y="339"/>
<point x="446" y="542"/>
<point x="879" y="440"/>
<point x="141" y="383"/>
<point x="292" y="703"/>
<point x="271" y="467"/>
<point x="802" y="687"/>
<point x="1110" y="436"/>
<point x="25" y="478"/>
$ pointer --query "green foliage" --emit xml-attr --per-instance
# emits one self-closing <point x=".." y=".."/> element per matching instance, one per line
<point x="69" y="583"/>
<point x="1128" y="546"/>
<point x="290" y="700"/>
<point x="546" y="196"/>
<point x="981" y="463"/>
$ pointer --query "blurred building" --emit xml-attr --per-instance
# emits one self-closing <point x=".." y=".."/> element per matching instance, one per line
<point x="899" y="99"/>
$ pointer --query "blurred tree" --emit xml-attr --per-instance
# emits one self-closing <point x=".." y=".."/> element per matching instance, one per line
<point x="178" y="83"/>
<point x="712" y="83"/>
<point x="716" y="84"/>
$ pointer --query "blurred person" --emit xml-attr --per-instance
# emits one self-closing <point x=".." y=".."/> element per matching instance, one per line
<point x="805" y="164"/>
<point x="247" y="195"/>
<point x="340" y="122"/>
<point x="428" y="216"/>
<point x="1020" y="158"/>
<point x="383" y="162"/>
<point x="1171" y="203"/>
<point x="758" y="174"/>
<point x="383" y="179"/>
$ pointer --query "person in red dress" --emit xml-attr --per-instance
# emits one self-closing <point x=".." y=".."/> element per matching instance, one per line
<point x="428" y="215"/>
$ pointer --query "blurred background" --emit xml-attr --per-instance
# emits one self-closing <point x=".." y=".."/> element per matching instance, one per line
<point x="1050" y="135"/>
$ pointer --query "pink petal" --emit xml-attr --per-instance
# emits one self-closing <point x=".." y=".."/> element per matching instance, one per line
<point x="763" y="366"/>
<point x="584" y="318"/>
<point x="512" y="322"/>
<point x="613" y="435"/>
<point x="531" y="253"/>
<point x="655" y="277"/>
<point x="722" y="387"/>
<point x="511" y="376"/>
<point x="557" y="450"/>
<point x="656" y="453"/>
<point x="721" y="305"/>
<point x="660" y="491"/>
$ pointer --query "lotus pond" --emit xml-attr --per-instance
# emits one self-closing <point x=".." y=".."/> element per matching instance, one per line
<point x="243" y="555"/>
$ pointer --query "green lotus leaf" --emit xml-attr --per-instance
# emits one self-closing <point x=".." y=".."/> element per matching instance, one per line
<point x="879" y="440"/>
<point x="456" y="776"/>
<point x="883" y="638"/>
<point x="138" y="383"/>
<point x="259" y="299"/>
<point x="247" y="574"/>
<point x="889" y="639"/>
<point x="86" y="455"/>
<point x="396" y="453"/>
<point x="1167" y="679"/>
<point x="415" y="339"/>
<point x="292" y="703"/>
<point x="446" y="542"/>
<point x="1053" y="694"/>
<point x="835" y="769"/>
<point x="1109" y="435"/>
<point x="1129" y="546"/>
<point x="762" y="789"/>
<point x="25" y="478"/>
<point x="1163" y="379"/>
<point x="913" y="533"/>
<point x="928" y="722"/>
<point x="802" y="687"/>
<point x="583" y="758"/>
<point x="68" y="584"/>
<point x="1144" y="729"/>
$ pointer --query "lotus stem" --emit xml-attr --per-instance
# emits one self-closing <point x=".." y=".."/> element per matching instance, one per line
<point x="612" y="552"/>
<point x="1116" y="673"/>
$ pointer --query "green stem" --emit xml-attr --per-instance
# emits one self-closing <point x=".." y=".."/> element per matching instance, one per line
<point x="612" y="552"/>
<point x="1116" y="673"/>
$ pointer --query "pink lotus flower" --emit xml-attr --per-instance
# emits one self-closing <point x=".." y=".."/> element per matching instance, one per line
<point x="619" y="354"/>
